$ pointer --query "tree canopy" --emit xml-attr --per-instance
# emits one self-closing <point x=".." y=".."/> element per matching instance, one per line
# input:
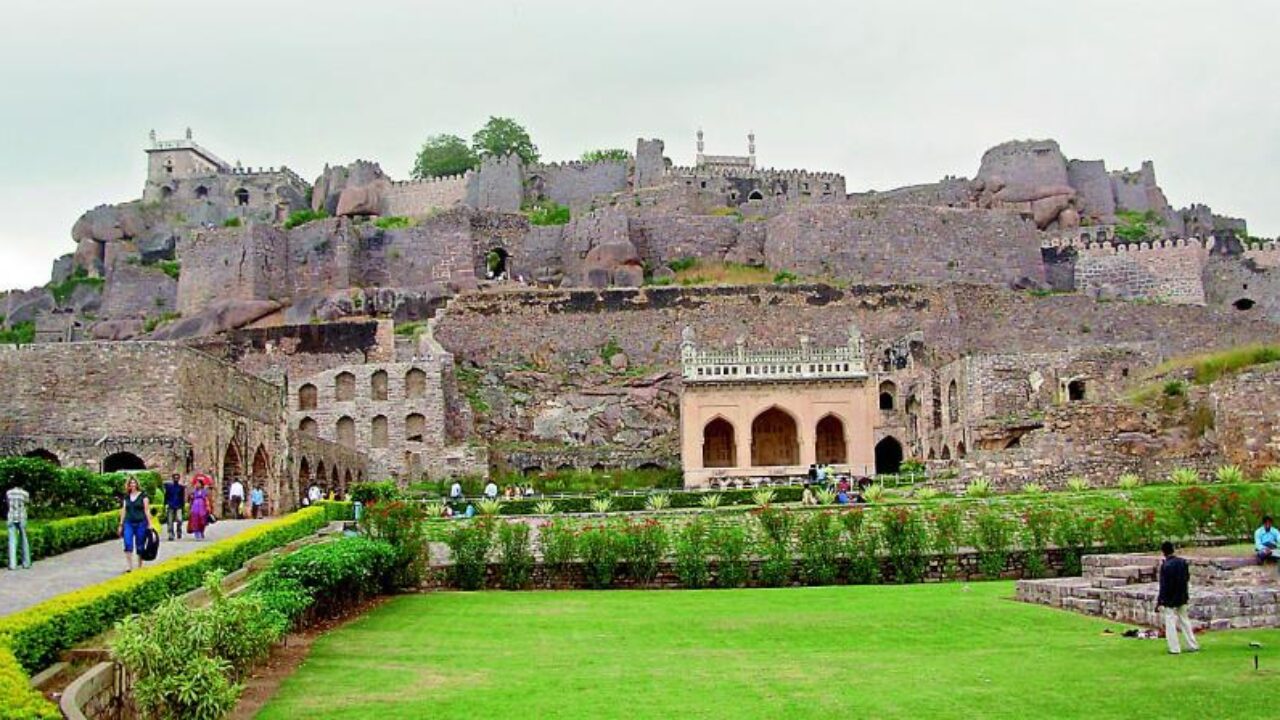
<point x="503" y="136"/>
<point x="443" y="155"/>
<point x="606" y="155"/>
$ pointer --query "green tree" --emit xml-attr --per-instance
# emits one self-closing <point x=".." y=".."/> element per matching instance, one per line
<point x="503" y="136"/>
<point x="606" y="155"/>
<point x="443" y="155"/>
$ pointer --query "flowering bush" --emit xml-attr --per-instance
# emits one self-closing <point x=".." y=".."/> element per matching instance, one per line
<point x="729" y="543"/>
<point x="861" y="547"/>
<point x="691" y="554"/>
<point x="559" y="548"/>
<point x="905" y="538"/>
<point x="1194" y="509"/>
<point x="992" y="538"/>
<point x="470" y="544"/>
<point x="1129" y="529"/>
<point x="819" y="540"/>
<point x="644" y="544"/>
<point x="400" y="525"/>
<point x="1074" y="534"/>
<point x="598" y="546"/>
<point x="1036" y="529"/>
<point x="515" y="558"/>
<point x="947" y="522"/>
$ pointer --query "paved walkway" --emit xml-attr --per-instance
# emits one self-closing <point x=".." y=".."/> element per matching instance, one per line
<point x="93" y="564"/>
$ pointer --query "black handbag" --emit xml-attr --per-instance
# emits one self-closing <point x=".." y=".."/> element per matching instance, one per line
<point x="150" y="545"/>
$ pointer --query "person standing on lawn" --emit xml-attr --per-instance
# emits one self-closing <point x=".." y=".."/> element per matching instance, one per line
<point x="17" y="526"/>
<point x="1175" y="593"/>
<point x="175" y="500"/>
<point x="236" y="496"/>
<point x="135" y="514"/>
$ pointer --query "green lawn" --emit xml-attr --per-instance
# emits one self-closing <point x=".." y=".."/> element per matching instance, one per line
<point x="917" y="651"/>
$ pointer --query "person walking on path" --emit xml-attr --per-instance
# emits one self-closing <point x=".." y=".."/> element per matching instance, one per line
<point x="199" y="510"/>
<point x="1175" y="578"/>
<point x="1265" y="541"/>
<point x="17" y="526"/>
<point x="257" y="502"/>
<point x="175" y="500"/>
<point x="236" y="496"/>
<point x="135" y="514"/>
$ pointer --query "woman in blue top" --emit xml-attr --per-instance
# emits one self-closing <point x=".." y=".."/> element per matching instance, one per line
<point x="135" y="511"/>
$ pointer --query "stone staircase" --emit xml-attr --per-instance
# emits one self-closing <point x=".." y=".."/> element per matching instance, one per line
<point x="1226" y="592"/>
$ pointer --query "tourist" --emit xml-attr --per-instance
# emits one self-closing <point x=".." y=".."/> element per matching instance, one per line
<point x="1265" y="540"/>
<point x="807" y="497"/>
<point x="844" y="485"/>
<point x="135" y="514"/>
<point x="175" y="499"/>
<point x="813" y="473"/>
<point x="842" y="497"/>
<point x="17" y="527"/>
<point x="314" y="494"/>
<point x="198" y="518"/>
<point x="455" y="491"/>
<point x="257" y="502"/>
<point x="491" y="490"/>
<point x="236" y="497"/>
<point x="528" y="490"/>
<point x="1175" y="577"/>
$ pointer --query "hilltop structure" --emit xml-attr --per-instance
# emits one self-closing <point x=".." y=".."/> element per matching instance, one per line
<point x="437" y="327"/>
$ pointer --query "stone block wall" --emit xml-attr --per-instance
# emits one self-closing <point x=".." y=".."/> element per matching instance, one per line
<point x="420" y="197"/>
<point x="576" y="184"/>
<point x="497" y="185"/>
<point x="1169" y="271"/>
<point x="1250" y="286"/>
<point x="1245" y="418"/>
<point x="247" y="263"/>
<point x="884" y="244"/>
<point x="134" y="290"/>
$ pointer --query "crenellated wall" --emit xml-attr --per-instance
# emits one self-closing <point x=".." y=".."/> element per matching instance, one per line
<point x="420" y="197"/>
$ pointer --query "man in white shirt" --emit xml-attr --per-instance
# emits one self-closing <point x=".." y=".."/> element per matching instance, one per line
<point x="491" y="490"/>
<point x="455" y="491"/>
<point x="314" y="494"/>
<point x="236" y="496"/>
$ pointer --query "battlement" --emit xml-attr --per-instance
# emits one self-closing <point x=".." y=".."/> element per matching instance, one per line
<point x="431" y="181"/>
<point x="282" y="170"/>
<point x="1120" y="247"/>
<point x="753" y="174"/>
<point x="576" y="165"/>
<point x="185" y="144"/>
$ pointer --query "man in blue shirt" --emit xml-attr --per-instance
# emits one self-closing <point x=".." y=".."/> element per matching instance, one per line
<point x="1265" y="540"/>
<point x="175" y="499"/>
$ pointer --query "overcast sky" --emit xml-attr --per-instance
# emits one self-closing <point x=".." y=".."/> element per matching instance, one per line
<point x="889" y="93"/>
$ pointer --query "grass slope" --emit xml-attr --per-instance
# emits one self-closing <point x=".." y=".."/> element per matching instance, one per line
<point x="910" y="651"/>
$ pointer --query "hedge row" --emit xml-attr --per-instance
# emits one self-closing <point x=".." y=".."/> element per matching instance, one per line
<point x="38" y="634"/>
<point x="17" y="700"/>
<point x="628" y="503"/>
<point x="59" y="536"/>
<point x="68" y="491"/>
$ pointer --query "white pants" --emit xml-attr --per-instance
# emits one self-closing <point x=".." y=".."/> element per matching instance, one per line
<point x="1176" y="619"/>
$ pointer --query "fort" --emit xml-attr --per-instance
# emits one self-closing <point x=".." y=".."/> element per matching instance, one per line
<point x="248" y="323"/>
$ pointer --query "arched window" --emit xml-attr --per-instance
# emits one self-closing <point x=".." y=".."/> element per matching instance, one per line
<point x="308" y="426"/>
<point x="344" y="387"/>
<point x="45" y="455"/>
<point x="307" y="397"/>
<point x="719" y="448"/>
<point x="378" y="431"/>
<point x="415" y="384"/>
<point x="953" y="403"/>
<point x="121" y="461"/>
<point x="946" y="453"/>
<point x="888" y="456"/>
<point x="378" y="385"/>
<point x="166" y="192"/>
<point x="415" y="427"/>
<point x="242" y="196"/>
<point x="755" y="195"/>
<point x="1076" y="390"/>
<point x="888" y="395"/>
<point x="202" y="192"/>
<point x="829" y="444"/>
<point x="261" y="471"/>
<point x="346" y="431"/>
<point x="960" y="449"/>
<point x="320" y="474"/>
<point x="774" y="439"/>
<point x="495" y="263"/>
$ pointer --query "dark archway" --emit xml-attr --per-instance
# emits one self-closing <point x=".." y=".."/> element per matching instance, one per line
<point x="346" y="431"/>
<point x="649" y="466"/>
<point x="319" y="478"/>
<point x="960" y="452"/>
<point x="45" y="455"/>
<point x="121" y="462"/>
<point x="888" y="395"/>
<point x="232" y="469"/>
<point x="953" y="403"/>
<point x="774" y="439"/>
<point x="304" y="478"/>
<point x="260" y="471"/>
<point x="202" y="192"/>
<point x="307" y="397"/>
<point x="946" y="453"/>
<point x="755" y="195"/>
<point x="719" y="449"/>
<point x="830" y="446"/>
<point x="308" y="426"/>
<point x="888" y="456"/>
<point x="495" y="263"/>
<point x="1243" y="304"/>
<point x="242" y="196"/>
<point x="1076" y="391"/>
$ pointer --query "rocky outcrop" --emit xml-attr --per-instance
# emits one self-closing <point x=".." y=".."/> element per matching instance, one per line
<point x="219" y="317"/>
<point x="354" y="189"/>
<point x="1028" y="174"/>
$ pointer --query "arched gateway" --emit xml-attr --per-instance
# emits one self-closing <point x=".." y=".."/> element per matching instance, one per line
<point x="748" y="416"/>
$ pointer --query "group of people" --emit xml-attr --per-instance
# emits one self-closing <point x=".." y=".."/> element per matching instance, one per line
<point x="491" y="492"/>
<point x="848" y="492"/>
<point x="191" y="512"/>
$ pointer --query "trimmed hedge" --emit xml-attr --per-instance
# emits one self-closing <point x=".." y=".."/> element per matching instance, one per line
<point x="38" y="634"/>
<point x="59" y="536"/>
<point x="17" y="700"/>
<point x="631" y="503"/>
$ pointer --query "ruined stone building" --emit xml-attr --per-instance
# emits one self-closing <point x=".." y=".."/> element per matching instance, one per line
<point x="431" y="328"/>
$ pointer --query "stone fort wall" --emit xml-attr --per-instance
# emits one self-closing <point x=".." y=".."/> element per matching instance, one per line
<point x="1165" y="270"/>
<point x="419" y="197"/>
<point x="577" y="184"/>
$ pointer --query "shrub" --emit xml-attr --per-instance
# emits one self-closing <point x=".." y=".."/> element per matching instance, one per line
<point x="64" y="289"/>
<point x="978" y="488"/>
<point x="729" y="543"/>
<point x="58" y="536"/>
<point x="1077" y="484"/>
<point x="775" y="525"/>
<point x="710" y="501"/>
<point x="657" y="501"/>
<point x="874" y="492"/>
<point x="337" y="574"/>
<point x="23" y="333"/>
<point x="601" y="504"/>
<point x="393" y="222"/>
<point x="1184" y="476"/>
<point x="469" y="544"/>
<point x="515" y="558"/>
<point x="861" y="547"/>
<point x="401" y="526"/>
<point x="37" y="634"/>
<point x="644" y="545"/>
<point x="925" y="493"/>
<point x="819" y="540"/>
<point x="1193" y="508"/>
<point x="544" y="507"/>
<point x="948" y="524"/>
<point x="598" y="548"/>
<point x="784" y="277"/>
<point x="683" y="263"/>
<point x="1174" y="388"/>
<point x="559" y="548"/>
<point x="231" y="222"/>
<point x="992" y="538"/>
<point x="547" y="213"/>
<point x="1033" y="488"/>
<point x="489" y="506"/>
<point x="1037" y="528"/>
<point x="905" y="539"/>
<point x="606" y="155"/>
<point x="1128" y="530"/>
<point x="302" y="217"/>
<point x="1129" y="481"/>
<point x="1271" y="474"/>
<point x="762" y="496"/>
<point x="372" y="492"/>
<point x="21" y="701"/>
<point x="1229" y="474"/>
<point x="1230" y="516"/>
<point x="691" y="555"/>
<point x="825" y="496"/>
<point x="1073" y="534"/>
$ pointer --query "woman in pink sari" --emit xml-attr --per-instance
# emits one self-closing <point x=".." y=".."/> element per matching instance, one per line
<point x="199" y="510"/>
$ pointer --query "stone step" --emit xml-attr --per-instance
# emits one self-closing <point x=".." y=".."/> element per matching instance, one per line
<point x="1110" y="582"/>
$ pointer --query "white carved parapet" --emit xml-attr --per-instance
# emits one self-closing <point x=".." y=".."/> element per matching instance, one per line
<point x="845" y="362"/>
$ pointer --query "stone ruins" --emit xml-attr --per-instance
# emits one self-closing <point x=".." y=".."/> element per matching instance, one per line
<point x="429" y="328"/>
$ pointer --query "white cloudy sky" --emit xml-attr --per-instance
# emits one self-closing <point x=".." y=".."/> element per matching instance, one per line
<point x="888" y="92"/>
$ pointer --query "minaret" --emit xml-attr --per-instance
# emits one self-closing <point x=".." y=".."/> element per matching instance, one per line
<point x="751" y="148"/>
<point x="698" y="161"/>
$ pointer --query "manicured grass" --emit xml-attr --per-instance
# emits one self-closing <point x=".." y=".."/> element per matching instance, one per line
<point x="904" y="651"/>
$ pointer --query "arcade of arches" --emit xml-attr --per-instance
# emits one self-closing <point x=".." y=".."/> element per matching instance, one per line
<point x="775" y="430"/>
